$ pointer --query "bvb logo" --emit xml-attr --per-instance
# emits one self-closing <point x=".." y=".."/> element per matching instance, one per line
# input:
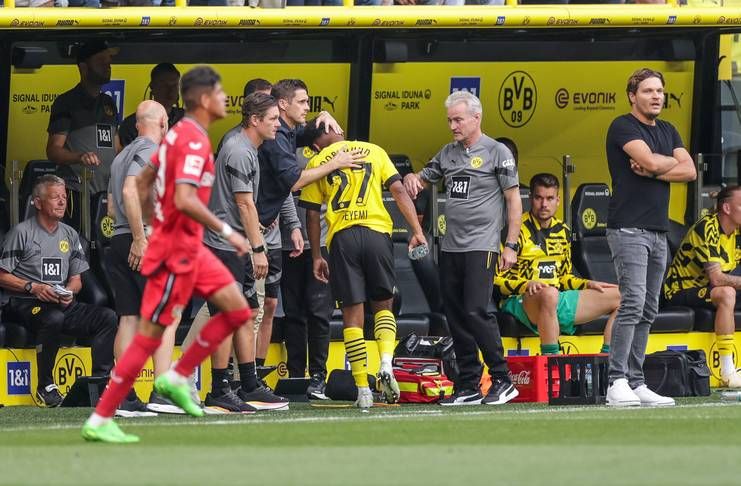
<point x="477" y="162"/>
<point x="64" y="246"/>
<point x="68" y="368"/>
<point x="714" y="359"/>
<point x="308" y="153"/>
<point x="568" y="347"/>
<point x="589" y="218"/>
<point x="518" y="97"/>
<point x="106" y="226"/>
<point x="441" y="224"/>
<point x="35" y="310"/>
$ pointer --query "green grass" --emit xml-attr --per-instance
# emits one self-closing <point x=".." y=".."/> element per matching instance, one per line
<point x="698" y="442"/>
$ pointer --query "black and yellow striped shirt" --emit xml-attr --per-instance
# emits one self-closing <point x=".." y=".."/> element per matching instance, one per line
<point x="545" y="256"/>
<point x="704" y="243"/>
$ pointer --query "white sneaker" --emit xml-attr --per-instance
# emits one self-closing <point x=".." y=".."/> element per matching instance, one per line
<point x="194" y="395"/>
<point x="365" y="398"/>
<point x="650" y="399"/>
<point x="732" y="380"/>
<point x="389" y="386"/>
<point x="619" y="394"/>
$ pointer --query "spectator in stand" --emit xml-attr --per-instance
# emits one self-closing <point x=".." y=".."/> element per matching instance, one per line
<point x="82" y="123"/>
<point x="40" y="268"/>
<point x="164" y="83"/>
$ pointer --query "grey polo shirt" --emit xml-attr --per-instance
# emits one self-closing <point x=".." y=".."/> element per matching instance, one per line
<point x="237" y="170"/>
<point x="90" y="126"/>
<point x="32" y="253"/>
<point x="128" y="163"/>
<point x="475" y="178"/>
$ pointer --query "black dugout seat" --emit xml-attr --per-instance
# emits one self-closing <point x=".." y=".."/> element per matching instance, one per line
<point x="590" y="252"/>
<point x="101" y="231"/>
<point x="37" y="168"/>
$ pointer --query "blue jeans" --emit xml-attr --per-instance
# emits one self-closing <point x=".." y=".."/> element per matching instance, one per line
<point x="640" y="261"/>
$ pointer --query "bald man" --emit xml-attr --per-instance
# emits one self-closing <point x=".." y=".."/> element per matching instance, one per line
<point x="127" y="248"/>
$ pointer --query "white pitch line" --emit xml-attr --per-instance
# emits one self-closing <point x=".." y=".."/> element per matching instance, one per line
<point x="385" y="414"/>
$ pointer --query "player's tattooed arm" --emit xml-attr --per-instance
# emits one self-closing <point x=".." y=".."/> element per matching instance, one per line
<point x="718" y="278"/>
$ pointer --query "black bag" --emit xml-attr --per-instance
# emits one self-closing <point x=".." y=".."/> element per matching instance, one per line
<point x="430" y="347"/>
<point x="678" y="373"/>
<point x="341" y="385"/>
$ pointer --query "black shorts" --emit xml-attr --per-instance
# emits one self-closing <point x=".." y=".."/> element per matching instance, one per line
<point x="698" y="297"/>
<point x="236" y="266"/>
<point x="361" y="266"/>
<point x="275" y="271"/>
<point x="127" y="285"/>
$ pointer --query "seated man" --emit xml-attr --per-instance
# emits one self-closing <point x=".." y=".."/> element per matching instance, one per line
<point x="540" y="290"/>
<point x="702" y="274"/>
<point x="40" y="268"/>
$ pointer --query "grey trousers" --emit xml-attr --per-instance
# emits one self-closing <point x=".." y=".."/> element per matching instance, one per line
<point x="640" y="261"/>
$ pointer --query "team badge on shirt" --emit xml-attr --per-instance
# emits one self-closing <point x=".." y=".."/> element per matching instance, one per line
<point x="308" y="153"/>
<point x="477" y="162"/>
<point x="35" y="310"/>
<point x="64" y="246"/>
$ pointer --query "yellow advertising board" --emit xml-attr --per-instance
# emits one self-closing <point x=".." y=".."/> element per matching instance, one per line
<point x="32" y="93"/>
<point x="549" y="109"/>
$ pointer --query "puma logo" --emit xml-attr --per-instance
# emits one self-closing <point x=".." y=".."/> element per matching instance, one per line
<point x="329" y="102"/>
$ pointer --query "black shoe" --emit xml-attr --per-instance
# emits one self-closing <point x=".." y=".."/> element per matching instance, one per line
<point x="316" y="387"/>
<point x="133" y="407"/>
<point x="227" y="400"/>
<point x="500" y="392"/>
<point x="463" y="397"/>
<point x="263" y="398"/>
<point x="49" y="396"/>
<point x="159" y="404"/>
<point x="261" y="384"/>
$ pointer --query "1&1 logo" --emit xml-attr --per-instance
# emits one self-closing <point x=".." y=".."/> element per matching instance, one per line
<point x="518" y="98"/>
<point x="68" y="368"/>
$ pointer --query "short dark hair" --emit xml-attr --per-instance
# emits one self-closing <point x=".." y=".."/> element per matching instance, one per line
<point x="195" y="82"/>
<point x="285" y="89"/>
<point x="257" y="84"/>
<point x="544" y="179"/>
<point x="724" y="195"/>
<point x="639" y="76"/>
<point x="163" y="68"/>
<point x="312" y="131"/>
<point x="257" y="103"/>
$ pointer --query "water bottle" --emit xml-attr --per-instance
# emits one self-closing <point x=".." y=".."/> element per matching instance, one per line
<point x="418" y="252"/>
<point x="730" y="396"/>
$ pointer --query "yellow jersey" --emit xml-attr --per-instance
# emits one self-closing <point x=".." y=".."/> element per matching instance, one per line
<point x="545" y="256"/>
<point x="704" y="243"/>
<point x="353" y="196"/>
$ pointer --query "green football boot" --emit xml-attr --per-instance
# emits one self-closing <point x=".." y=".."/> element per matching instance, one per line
<point x="108" y="432"/>
<point x="179" y="394"/>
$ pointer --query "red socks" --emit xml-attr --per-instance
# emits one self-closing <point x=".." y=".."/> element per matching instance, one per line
<point x="125" y="373"/>
<point x="216" y="330"/>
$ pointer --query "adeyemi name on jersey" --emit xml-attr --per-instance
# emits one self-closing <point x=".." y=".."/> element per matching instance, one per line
<point x="355" y="215"/>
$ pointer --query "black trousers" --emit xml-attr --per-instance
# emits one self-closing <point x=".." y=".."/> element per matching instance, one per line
<point x="308" y="305"/>
<point x="80" y="320"/>
<point x="466" y="280"/>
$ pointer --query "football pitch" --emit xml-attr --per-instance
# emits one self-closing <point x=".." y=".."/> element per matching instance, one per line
<point x="698" y="443"/>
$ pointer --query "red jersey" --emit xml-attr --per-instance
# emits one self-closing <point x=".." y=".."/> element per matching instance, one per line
<point x="184" y="157"/>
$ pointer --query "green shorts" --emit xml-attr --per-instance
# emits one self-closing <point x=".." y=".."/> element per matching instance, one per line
<point x="565" y="311"/>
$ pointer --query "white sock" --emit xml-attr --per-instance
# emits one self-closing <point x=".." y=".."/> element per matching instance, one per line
<point x="97" y="420"/>
<point x="176" y="377"/>
<point x="386" y="360"/>
<point x="727" y="367"/>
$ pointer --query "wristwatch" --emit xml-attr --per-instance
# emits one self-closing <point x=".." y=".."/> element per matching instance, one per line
<point x="28" y="287"/>
<point x="258" y="249"/>
<point x="512" y="246"/>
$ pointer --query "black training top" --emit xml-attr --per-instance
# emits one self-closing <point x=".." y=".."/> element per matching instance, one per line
<point x="638" y="202"/>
